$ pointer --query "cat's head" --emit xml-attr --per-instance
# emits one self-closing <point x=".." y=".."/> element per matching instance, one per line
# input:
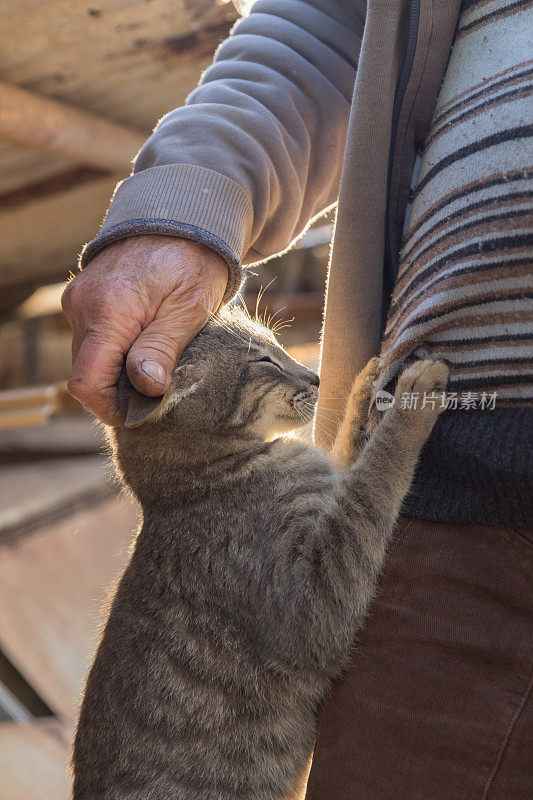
<point x="234" y="378"/>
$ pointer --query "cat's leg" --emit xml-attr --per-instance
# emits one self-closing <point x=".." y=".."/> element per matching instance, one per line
<point x="345" y="549"/>
<point x="389" y="458"/>
<point x="349" y="439"/>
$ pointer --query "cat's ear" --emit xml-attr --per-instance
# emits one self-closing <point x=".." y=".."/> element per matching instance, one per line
<point x="140" y="409"/>
<point x="135" y="407"/>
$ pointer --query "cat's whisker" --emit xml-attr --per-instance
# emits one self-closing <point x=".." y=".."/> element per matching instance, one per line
<point x="307" y="417"/>
<point x="323" y="415"/>
<point x="315" y="408"/>
<point x="273" y="316"/>
<point x="243" y="305"/>
<point x="320" y="428"/>
<point x="312" y="404"/>
<point x="325" y="422"/>
<point x="260" y="295"/>
<point x="321" y="412"/>
<point x="304" y="419"/>
<point x="281" y="324"/>
<point x="320" y="423"/>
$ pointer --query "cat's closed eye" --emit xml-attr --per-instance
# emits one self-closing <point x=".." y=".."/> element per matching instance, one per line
<point x="266" y="360"/>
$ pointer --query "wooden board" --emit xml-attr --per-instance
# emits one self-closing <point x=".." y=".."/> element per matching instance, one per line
<point x="39" y="490"/>
<point x="42" y="237"/>
<point x="22" y="167"/>
<point x="63" y="435"/>
<point x="129" y="62"/>
<point x="53" y="586"/>
<point x="34" y="761"/>
<point x="117" y="58"/>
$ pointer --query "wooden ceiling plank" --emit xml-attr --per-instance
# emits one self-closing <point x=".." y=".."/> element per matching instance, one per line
<point x="21" y="166"/>
<point x="41" y="238"/>
<point x="82" y="39"/>
<point x="127" y="61"/>
<point x="34" y="121"/>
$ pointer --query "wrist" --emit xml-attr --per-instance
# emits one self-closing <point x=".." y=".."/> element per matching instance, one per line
<point x="169" y="254"/>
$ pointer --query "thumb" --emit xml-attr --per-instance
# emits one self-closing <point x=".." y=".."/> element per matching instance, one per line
<point x="154" y="353"/>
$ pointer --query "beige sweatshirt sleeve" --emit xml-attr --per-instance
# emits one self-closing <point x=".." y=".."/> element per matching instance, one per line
<point x="257" y="150"/>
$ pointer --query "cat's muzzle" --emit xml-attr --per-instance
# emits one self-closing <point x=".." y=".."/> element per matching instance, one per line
<point x="305" y="399"/>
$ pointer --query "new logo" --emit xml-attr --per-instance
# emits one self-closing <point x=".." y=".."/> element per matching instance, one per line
<point x="384" y="400"/>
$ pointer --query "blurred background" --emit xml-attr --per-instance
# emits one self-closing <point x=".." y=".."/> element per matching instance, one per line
<point x="81" y="86"/>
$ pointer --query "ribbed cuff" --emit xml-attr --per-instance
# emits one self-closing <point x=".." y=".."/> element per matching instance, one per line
<point x="181" y="200"/>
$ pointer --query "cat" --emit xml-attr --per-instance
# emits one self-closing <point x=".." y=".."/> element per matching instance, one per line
<point x="252" y="572"/>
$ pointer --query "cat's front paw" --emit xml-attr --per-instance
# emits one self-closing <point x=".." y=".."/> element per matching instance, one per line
<point x="370" y="371"/>
<point x="361" y="392"/>
<point x="420" y="385"/>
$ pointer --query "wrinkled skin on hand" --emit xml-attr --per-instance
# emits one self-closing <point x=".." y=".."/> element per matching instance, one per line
<point x="147" y="297"/>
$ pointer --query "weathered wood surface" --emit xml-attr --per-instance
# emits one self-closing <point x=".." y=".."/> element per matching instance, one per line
<point x="21" y="167"/>
<point x="64" y="435"/>
<point x="34" y="761"/>
<point x="45" y="489"/>
<point x="34" y="121"/>
<point x="34" y="405"/>
<point x="127" y="61"/>
<point x="53" y="586"/>
<point x="42" y="236"/>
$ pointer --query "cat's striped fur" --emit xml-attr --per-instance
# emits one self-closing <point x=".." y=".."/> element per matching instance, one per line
<point x="253" y="569"/>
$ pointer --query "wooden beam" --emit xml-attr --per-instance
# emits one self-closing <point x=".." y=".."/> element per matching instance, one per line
<point x="41" y="238"/>
<point x="56" y="184"/>
<point x="34" y="405"/>
<point x="32" y="120"/>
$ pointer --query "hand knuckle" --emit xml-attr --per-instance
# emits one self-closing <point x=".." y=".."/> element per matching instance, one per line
<point x="197" y="286"/>
<point x="69" y="296"/>
<point x="77" y="387"/>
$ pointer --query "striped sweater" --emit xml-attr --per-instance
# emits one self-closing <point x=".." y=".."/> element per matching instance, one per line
<point x="464" y="288"/>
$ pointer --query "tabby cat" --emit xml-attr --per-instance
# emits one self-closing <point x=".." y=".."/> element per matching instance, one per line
<point x="251" y="574"/>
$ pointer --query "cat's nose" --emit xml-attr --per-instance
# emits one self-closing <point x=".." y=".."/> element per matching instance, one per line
<point x="314" y="380"/>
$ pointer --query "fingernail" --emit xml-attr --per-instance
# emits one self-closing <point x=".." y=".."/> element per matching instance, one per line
<point x="154" y="371"/>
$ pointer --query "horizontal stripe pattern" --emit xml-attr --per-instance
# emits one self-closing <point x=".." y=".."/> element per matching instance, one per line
<point x="489" y="15"/>
<point x="464" y="289"/>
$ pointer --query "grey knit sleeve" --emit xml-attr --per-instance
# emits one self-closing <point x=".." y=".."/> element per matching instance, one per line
<point x="257" y="150"/>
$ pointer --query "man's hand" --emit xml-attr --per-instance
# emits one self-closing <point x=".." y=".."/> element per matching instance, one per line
<point x="147" y="297"/>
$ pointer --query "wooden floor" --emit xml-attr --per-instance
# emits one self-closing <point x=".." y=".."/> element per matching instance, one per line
<point x="33" y="761"/>
<point x="64" y="539"/>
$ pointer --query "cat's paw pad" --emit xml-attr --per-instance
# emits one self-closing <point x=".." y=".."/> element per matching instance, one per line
<point x="423" y="378"/>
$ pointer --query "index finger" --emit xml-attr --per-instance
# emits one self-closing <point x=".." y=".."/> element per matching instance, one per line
<point x="94" y="375"/>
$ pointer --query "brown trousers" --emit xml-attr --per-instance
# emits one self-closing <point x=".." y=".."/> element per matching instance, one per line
<point x="437" y="704"/>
